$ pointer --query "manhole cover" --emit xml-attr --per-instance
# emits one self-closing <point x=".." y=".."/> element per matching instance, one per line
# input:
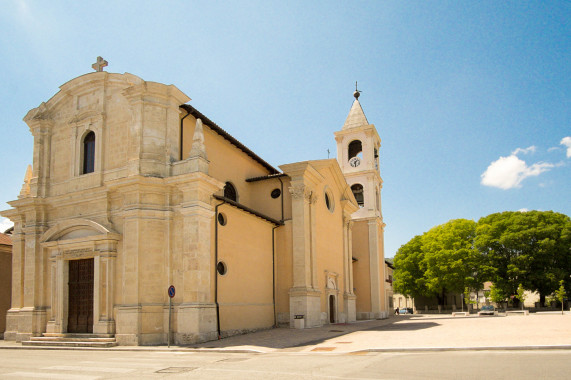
<point x="323" y="349"/>
<point x="176" y="369"/>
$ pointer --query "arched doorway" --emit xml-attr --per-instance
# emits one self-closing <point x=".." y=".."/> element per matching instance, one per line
<point x="332" y="308"/>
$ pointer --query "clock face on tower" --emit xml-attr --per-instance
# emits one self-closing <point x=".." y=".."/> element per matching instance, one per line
<point x="354" y="162"/>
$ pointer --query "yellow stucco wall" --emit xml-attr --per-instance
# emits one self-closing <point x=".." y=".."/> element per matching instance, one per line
<point x="329" y="240"/>
<point x="245" y="292"/>
<point x="230" y="164"/>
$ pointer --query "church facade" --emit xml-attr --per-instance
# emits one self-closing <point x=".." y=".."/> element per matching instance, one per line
<point x="132" y="190"/>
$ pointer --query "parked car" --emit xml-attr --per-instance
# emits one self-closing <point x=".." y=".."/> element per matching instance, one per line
<point x="487" y="310"/>
<point x="405" y="310"/>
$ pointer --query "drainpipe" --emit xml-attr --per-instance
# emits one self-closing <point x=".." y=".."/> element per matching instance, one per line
<point x="216" y="267"/>
<point x="274" y="274"/>
<point x="181" y="122"/>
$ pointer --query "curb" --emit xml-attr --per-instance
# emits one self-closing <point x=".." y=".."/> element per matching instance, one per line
<point x="481" y="348"/>
<point x="249" y="351"/>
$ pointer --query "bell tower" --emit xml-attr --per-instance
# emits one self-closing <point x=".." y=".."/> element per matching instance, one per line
<point x="358" y="146"/>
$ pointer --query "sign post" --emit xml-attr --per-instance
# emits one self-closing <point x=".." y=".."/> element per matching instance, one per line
<point x="171" y="293"/>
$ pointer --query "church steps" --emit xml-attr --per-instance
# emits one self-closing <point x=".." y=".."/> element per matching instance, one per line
<point x="72" y="340"/>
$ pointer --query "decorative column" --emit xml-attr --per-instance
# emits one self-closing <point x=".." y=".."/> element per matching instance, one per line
<point x="18" y="249"/>
<point x="304" y="296"/>
<point x="59" y="273"/>
<point x="348" y="295"/>
<point x="104" y="275"/>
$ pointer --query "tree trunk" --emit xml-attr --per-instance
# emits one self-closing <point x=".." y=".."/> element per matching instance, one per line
<point x="541" y="300"/>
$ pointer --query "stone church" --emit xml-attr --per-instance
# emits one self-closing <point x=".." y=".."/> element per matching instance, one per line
<point x="132" y="190"/>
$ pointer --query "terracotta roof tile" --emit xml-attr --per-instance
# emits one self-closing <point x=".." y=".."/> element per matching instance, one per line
<point x="5" y="239"/>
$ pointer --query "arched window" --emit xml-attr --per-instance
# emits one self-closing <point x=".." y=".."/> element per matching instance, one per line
<point x="230" y="192"/>
<point x="89" y="153"/>
<point x="357" y="190"/>
<point x="355" y="148"/>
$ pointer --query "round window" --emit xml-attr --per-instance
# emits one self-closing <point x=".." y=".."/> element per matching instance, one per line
<point x="221" y="219"/>
<point x="276" y="193"/>
<point x="329" y="200"/>
<point x="221" y="268"/>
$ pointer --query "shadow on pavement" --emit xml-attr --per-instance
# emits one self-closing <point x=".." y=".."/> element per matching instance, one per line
<point x="285" y="338"/>
<point x="409" y="326"/>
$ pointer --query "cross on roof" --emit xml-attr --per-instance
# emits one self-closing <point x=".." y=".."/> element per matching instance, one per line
<point x="100" y="64"/>
<point x="357" y="93"/>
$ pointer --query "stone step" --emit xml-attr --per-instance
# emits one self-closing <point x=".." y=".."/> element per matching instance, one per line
<point x="68" y="344"/>
<point x="72" y="340"/>
<point x="68" y="339"/>
<point x="78" y="335"/>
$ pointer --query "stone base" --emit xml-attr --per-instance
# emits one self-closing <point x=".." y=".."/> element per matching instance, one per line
<point x="128" y="325"/>
<point x="104" y="327"/>
<point x="127" y="339"/>
<point x="11" y="324"/>
<point x="194" y="323"/>
<point x="306" y="302"/>
<point x="350" y="307"/>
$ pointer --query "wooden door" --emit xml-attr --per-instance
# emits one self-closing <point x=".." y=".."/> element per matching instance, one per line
<point x="80" y="309"/>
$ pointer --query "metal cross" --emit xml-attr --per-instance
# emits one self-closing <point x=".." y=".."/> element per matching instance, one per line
<point x="99" y="65"/>
<point x="357" y="92"/>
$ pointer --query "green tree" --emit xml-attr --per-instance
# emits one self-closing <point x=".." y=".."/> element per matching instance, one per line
<point x="497" y="295"/>
<point x="560" y="294"/>
<point x="521" y="295"/>
<point x="449" y="259"/>
<point x="531" y="248"/>
<point x="408" y="276"/>
<point x="467" y="299"/>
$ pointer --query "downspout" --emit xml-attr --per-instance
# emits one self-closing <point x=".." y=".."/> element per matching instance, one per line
<point x="181" y="140"/>
<point x="216" y="267"/>
<point x="274" y="275"/>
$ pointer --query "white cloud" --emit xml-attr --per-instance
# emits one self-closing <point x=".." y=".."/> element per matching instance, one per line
<point x="567" y="142"/>
<point x="5" y="224"/>
<point x="508" y="172"/>
<point x="523" y="209"/>
<point x="529" y="149"/>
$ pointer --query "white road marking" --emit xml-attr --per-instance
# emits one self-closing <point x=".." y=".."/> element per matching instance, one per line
<point x="44" y="375"/>
<point x="89" y="369"/>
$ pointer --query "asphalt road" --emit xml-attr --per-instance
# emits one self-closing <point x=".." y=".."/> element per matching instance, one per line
<point x="90" y="365"/>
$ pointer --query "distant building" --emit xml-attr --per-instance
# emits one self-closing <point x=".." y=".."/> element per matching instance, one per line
<point x="5" y="278"/>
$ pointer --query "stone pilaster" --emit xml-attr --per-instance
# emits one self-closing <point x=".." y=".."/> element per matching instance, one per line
<point x="348" y="295"/>
<point x="104" y="288"/>
<point x="40" y="127"/>
<point x="18" y="250"/>
<point x="193" y="270"/>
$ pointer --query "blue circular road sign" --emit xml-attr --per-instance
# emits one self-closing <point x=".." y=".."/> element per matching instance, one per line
<point x="171" y="291"/>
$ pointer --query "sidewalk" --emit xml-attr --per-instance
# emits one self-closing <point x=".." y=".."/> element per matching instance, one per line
<point x="398" y="333"/>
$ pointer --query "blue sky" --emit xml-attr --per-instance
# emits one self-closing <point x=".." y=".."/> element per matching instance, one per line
<point x="471" y="99"/>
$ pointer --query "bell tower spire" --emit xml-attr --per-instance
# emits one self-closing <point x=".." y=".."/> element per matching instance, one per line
<point x="358" y="146"/>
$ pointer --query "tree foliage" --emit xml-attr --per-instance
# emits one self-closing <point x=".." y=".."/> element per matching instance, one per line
<point x="531" y="248"/>
<point x="509" y="248"/>
<point x="441" y="260"/>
